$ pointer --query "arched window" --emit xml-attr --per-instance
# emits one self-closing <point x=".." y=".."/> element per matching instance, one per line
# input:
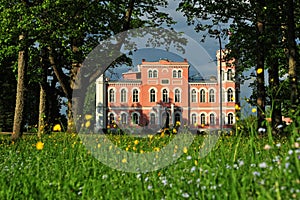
<point x="179" y="73"/>
<point x="177" y="95"/>
<point x="111" y="95"/>
<point x="152" y="118"/>
<point x="223" y="95"/>
<point x="223" y="76"/>
<point x="202" y="119"/>
<point x="150" y="74"/>
<point x="194" y="95"/>
<point x="177" y="117"/>
<point x="194" y="119"/>
<point x="229" y="75"/>
<point x="123" y="96"/>
<point x="123" y="118"/>
<point x="212" y="119"/>
<point x="135" y="95"/>
<point x="211" y="95"/>
<point x="152" y="95"/>
<point x="229" y="95"/>
<point x="174" y="74"/>
<point x="165" y="96"/>
<point x="230" y="118"/>
<point x="202" y="96"/>
<point x="135" y="118"/>
<point x="111" y="118"/>
<point x="155" y="73"/>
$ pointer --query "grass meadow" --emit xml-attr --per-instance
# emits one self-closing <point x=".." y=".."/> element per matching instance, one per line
<point x="239" y="167"/>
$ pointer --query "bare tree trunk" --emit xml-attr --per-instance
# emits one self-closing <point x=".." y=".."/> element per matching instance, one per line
<point x="291" y="40"/>
<point x="260" y="78"/>
<point x="18" y="117"/>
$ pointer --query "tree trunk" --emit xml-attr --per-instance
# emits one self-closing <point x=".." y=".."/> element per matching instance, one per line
<point x="291" y="40"/>
<point x="18" y="117"/>
<point x="260" y="78"/>
<point x="276" y="116"/>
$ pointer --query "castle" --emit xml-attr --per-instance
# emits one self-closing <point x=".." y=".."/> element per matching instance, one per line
<point x="163" y="89"/>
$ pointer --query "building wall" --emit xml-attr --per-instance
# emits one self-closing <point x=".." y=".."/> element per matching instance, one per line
<point x="185" y="102"/>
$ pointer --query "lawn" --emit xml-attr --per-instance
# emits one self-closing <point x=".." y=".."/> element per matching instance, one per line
<point x="237" y="167"/>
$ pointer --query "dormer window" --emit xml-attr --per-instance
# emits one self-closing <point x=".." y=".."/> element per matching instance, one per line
<point x="177" y="73"/>
<point x="155" y="73"/>
<point x="152" y="73"/>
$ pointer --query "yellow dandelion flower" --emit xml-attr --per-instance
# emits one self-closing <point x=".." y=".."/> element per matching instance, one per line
<point x="39" y="145"/>
<point x="88" y="117"/>
<point x="162" y="134"/>
<point x="124" y="160"/>
<point x="87" y="124"/>
<point x="156" y="149"/>
<point x="259" y="70"/>
<point x="237" y="107"/>
<point x="178" y="123"/>
<point x="174" y="130"/>
<point x="99" y="145"/>
<point x="185" y="150"/>
<point x="141" y="151"/>
<point x="150" y="137"/>
<point x="253" y="110"/>
<point x="134" y="148"/>
<point x="57" y="128"/>
<point x="136" y="142"/>
<point x="115" y="125"/>
<point x="108" y="126"/>
<point x="196" y="162"/>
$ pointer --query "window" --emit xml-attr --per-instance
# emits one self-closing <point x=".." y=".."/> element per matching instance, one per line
<point x="230" y="118"/>
<point x="123" y="96"/>
<point x="150" y="74"/>
<point x="177" y="95"/>
<point x="135" y="96"/>
<point x="165" y="96"/>
<point x="174" y="74"/>
<point x="179" y="74"/>
<point x="202" y="119"/>
<point x="194" y="119"/>
<point x="223" y="95"/>
<point x="111" y="118"/>
<point x="229" y="95"/>
<point x="211" y="95"/>
<point x="111" y="95"/>
<point x="177" y="117"/>
<point x="152" y="95"/>
<point x="135" y="118"/>
<point x="194" y="95"/>
<point x="154" y="73"/>
<point x="223" y="75"/>
<point x="123" y="118"/>
<point x="152" y="118"/>
<point x="212" y="119"/>
<point x="202" y="95"/>
<point x="229" y="75"/>
<point x="165" y="81"/>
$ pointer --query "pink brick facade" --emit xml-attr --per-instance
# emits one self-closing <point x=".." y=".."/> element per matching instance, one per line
<point x="144" y="97"/>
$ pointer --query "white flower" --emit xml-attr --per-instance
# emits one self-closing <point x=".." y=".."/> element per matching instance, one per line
<point x="104" y="176"/>
<point x="241" y="163"/>
<point x="263" y="165"/>
<point x="149" y="187"/>
<point x="287" y="165"/>
<point x="185" y="195"/>
<point x="256" y="173"/>
<point x="267" y="147"/>
<point x="280" y="126"/>
<point x="189" y="157"/>
<point x="261" y="130"/>
<point x="193" y="169"/>
<point x="278" y="145"/>
<point x="290" y="152"/>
